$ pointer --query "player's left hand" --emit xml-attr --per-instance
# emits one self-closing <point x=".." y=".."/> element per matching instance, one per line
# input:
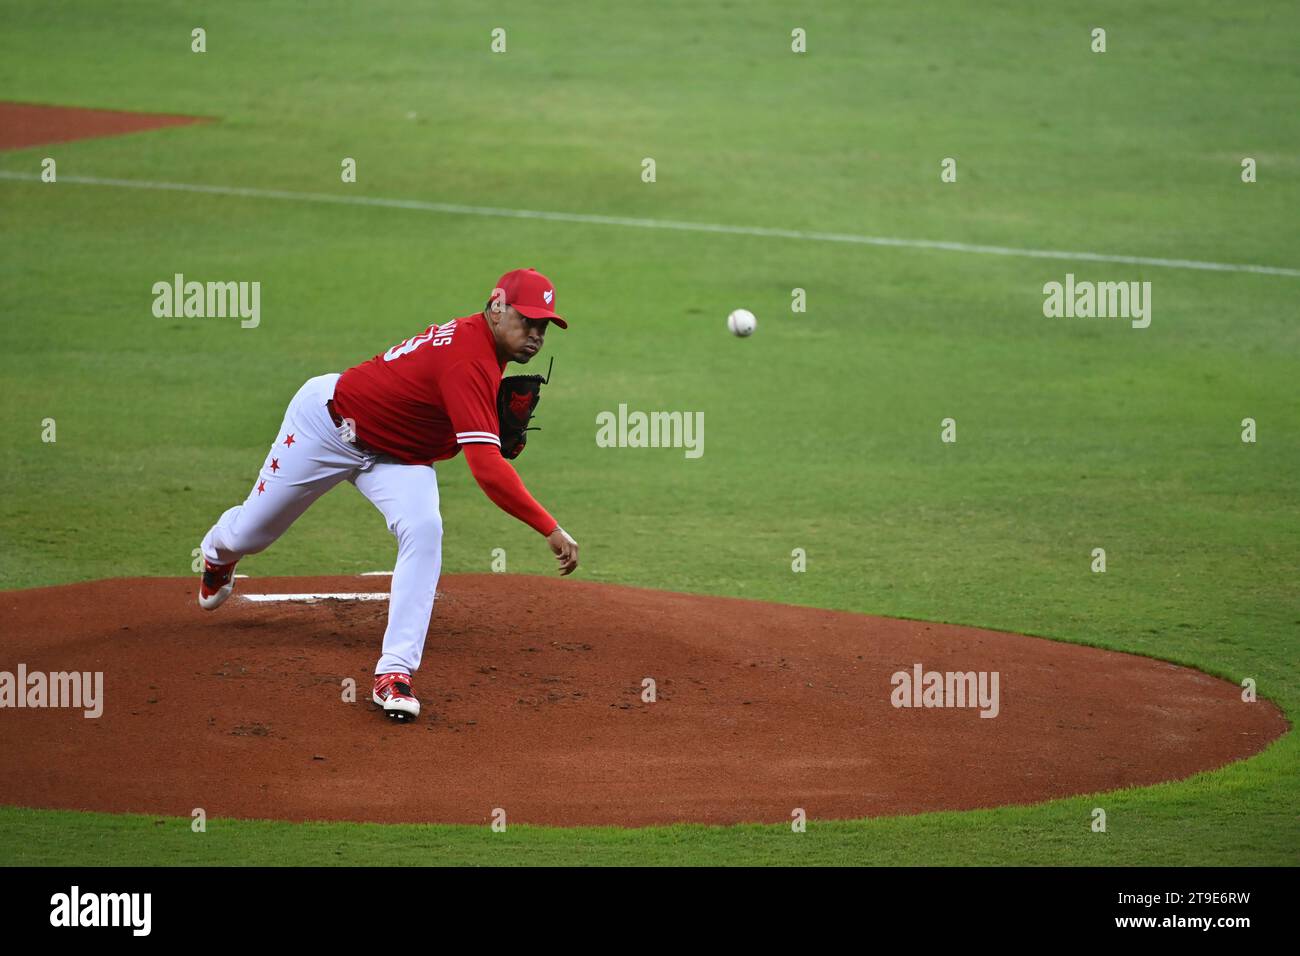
<point x="565" y="549"/>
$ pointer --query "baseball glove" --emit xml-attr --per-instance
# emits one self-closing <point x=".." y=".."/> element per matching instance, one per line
<point x="517" y="399"/>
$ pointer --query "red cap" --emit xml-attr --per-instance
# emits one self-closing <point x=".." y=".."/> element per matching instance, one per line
<point x="531" y="293"/>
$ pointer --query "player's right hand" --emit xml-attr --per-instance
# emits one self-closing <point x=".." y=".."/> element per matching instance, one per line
<point x="565" y="548"/>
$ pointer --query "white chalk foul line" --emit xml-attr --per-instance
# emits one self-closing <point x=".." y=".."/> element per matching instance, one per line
<point x="343" y="596"/>
<point x="574" y="217"/>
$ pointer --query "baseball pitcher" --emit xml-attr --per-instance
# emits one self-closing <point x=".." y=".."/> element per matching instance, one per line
<point x="382" y="425"/>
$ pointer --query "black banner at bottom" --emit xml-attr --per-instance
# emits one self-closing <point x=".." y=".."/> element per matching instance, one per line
<point x="344" y="905"/>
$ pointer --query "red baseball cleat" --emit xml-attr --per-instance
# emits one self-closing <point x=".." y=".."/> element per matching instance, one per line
<point x="393" y="693"/>
<point x="218" y="581"/>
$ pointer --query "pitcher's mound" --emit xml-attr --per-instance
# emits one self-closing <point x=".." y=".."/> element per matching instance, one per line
<point x="535" y="694"/>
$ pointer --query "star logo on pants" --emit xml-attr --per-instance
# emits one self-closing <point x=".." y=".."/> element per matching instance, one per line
<point x="261" y="487"/>
<point x="289" y="442"/>
<point x="275" y="465"/>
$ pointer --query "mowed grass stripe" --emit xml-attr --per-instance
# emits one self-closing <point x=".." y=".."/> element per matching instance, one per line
<point x="421" y="205"/>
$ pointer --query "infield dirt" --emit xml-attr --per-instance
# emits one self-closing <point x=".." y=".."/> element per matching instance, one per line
<point x="35" y="124"/>
<point x="533" y="702"/>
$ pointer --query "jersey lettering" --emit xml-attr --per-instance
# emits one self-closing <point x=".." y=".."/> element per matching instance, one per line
<point x="438" y="334"/>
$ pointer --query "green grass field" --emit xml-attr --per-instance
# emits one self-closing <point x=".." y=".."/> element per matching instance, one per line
<point x="822" y="431"/>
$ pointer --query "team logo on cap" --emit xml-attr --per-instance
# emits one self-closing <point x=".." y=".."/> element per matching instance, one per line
<point x="548" y="295"/>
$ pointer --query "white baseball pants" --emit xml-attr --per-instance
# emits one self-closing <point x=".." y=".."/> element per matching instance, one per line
<point x="310" y="456"/>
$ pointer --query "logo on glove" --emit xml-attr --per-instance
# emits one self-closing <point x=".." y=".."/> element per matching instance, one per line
<point x="521" y="404"/>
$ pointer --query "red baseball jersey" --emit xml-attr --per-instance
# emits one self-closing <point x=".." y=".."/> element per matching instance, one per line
<point x="425" y="397"/>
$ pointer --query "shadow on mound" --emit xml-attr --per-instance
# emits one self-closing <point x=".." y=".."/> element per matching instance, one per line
<point x="532" y="692"/>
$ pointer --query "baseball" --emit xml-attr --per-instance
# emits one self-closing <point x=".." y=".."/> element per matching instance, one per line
<point x="742" y="322"/>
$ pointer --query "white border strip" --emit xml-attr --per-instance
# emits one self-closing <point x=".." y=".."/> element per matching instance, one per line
<point x="459" y="210"/>
<point x="268" y="598"/>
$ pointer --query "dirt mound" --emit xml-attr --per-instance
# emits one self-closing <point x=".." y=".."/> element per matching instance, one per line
<point x="532" y="692"/>
<point x="34" y="124"/>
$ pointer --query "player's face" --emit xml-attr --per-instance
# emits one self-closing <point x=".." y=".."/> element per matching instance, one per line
<point x="521" y="338"/>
